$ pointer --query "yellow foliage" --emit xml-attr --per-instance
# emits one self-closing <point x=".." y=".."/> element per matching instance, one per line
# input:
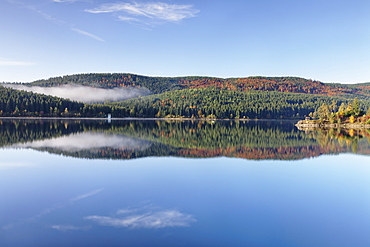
<point x="351" y="132"/>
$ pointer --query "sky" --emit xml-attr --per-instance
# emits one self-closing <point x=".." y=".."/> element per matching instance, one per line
<point x="325" y="40"/>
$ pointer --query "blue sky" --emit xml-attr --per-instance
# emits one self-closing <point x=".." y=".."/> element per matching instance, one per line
<point x="324" y="40"/>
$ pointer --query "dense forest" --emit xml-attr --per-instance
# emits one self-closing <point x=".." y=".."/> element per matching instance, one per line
<point x="187" y="97"/>
<point x="21" y="103"/>
<point x="188" y="103"/>
<point x="17" y="103"/>
<point x="225" y="104"/>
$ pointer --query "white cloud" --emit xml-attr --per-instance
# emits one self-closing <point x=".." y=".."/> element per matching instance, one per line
<point x="126" y="211"/>
<point x="151" y="220"/>
<point x="9" y="62"/>
<point x="64" y="228"/>
<point x="54" y="20"/>
<point x="86" y="195"/>
<point x="67" y="1"/>
<point x="127" y="18"/>
<point x="63" y="23"/>
<point x="147" y="12"/>
<point x="90" y="35"/>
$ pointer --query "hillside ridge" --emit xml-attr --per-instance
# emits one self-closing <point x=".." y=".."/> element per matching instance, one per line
<point x="163" y="84"/>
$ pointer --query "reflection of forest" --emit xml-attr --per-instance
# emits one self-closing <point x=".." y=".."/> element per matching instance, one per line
<point x="342" y="140"/>
<point x="22" y="131"/>
<point x="134" y="139"/>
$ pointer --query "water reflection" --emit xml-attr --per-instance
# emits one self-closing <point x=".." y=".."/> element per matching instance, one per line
<point x="58" y="200"/>
<point x="342" y="140"/>
<point x="86" y="141"/>
<point x="49" y="210"/>
<point x="134" y="139"/>
<point x="144" y="218"/>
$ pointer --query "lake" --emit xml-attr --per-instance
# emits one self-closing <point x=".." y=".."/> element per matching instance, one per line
<point x="182" y="183"/>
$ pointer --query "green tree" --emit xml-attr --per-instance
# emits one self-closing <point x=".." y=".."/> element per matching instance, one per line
<point x="323" y="112"/>
<point x="356" y="107"/>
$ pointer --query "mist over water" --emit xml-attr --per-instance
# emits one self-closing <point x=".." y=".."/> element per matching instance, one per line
<point x="84" y="93"/>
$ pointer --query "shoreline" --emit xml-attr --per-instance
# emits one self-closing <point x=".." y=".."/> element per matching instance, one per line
<point x="309" y="125"/>
<point x="133" y="118"/>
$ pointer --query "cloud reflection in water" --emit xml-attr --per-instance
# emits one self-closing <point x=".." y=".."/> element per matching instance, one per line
<point x="147" y="220"/>
<point x="88" y="140"/>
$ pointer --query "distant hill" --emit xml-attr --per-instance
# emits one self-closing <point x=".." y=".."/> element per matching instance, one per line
<point x="154" y="84"/>
<point x="257" y="83"/>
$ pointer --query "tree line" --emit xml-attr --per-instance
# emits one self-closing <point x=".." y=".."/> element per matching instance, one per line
<point x="349" y="112"/>
<point x="22" y="103"/>
<point x="223" y="104"/>
<point x="208" y="103"/>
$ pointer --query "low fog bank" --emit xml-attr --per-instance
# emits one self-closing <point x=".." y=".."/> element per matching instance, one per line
<point x="84" y="93"/>
<point x="87" y="141"/>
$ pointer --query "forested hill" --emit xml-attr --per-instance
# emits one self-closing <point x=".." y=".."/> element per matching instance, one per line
<point x="163" y="84"/>
<point x="187" y="97"/>
<point x="188" y="103"/>
<point x="154" y="84"/>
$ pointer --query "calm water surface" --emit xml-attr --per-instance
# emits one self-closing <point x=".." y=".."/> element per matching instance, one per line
<point x="73" y="183"/>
